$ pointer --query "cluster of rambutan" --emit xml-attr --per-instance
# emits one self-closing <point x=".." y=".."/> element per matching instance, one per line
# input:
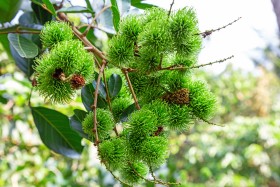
<point x="160" y="50"/>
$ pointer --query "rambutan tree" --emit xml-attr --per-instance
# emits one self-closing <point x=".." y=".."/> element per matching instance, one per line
<point x="135" y="91"/>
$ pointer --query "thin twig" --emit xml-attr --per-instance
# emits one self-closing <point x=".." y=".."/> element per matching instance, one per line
<point x="115" y="177"/>
<point x="171" y="5"/>
<point x="109" y="100"/>
<point x="211" y="123"/>
<point x="194" y="67"/>
<point x="94" y="106"/>
<point x="160" y="181"/>
<point x="93" y="20"/>
<point x="208" y="32"/>
<point x="125" y="72"/>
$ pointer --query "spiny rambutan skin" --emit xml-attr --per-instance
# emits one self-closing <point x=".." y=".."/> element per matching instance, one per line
<point x="121" y="51"/>
<point x="119" y="105"/>
<point x="143" y="122"/>
<point x="54" y="32"/>
<point x="161" y="109"/>
<point x="113" y="152"/>
<point x="180" y="117"/>
<point x="129" y="175"/>
<point x="202" y="101"/>
<point x="105" y="124"/>
<point x="154" y="150"/>
<point x="130" y="27"/>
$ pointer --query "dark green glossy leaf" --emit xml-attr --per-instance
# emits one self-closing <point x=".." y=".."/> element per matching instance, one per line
<point x="76" y="122"/>
<point x="24" y="64"/>
<point x="8" y="9"/>
<point x="87" y="93"/>
<point x="115" y="85"/>
<point x="75" y="9"/>
<point x="29" y="21"/>
<point x="41" y="14"/>
<point x="101" y="89"/>
<point x="23" y="46"/>
<point x="139" y="4"/>
<point x="56" y="133"/>
<point x="131" y="108"/>
<point x="49" y="6"/>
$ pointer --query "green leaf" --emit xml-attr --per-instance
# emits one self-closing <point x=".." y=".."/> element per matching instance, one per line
<point x="114" y="85"/>
<point x="24" y="64"/>
<point x="29" y="21"/>
<point x="87" y="94"/>
<point x="124" y="116"/>
<point x="101" y="89"/>
<point x="139" y="4"/>
<point x="76" y="122"/>
<point x="116" y="17"/>
<point x="56" y="133"/>
<point x="89" y="6"/>
<point x="8" y="9"/>
<point x="75" y="9"/>
<point x="49" y="6"/>
<point x="24" y="47"/>
<point x="41" y="14"/>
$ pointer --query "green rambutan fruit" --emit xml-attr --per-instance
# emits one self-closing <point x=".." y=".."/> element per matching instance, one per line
<point x="143" y="122"/>
<point x="131" y="171"/>
<point x="119" y="105"/>
<point x="113" y="152"/>
<point x="161" y="109"/>
<point x="121" y="51"/>
<point x="130" y="27"/>
<point x="54" y="32"/>
<point x="202" y="101"/>
<point x="154" y="150"/>
<point x="180" y="117"/>
<point x="105" y="124"/>
<point x="183" y="24"/>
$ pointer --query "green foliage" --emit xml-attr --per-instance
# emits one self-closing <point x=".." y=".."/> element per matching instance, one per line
<point x="105" y="124"/>
<point x="54" y="32"/>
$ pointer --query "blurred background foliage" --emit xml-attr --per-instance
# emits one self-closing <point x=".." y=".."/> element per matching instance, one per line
<point x="245" y="152"/>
